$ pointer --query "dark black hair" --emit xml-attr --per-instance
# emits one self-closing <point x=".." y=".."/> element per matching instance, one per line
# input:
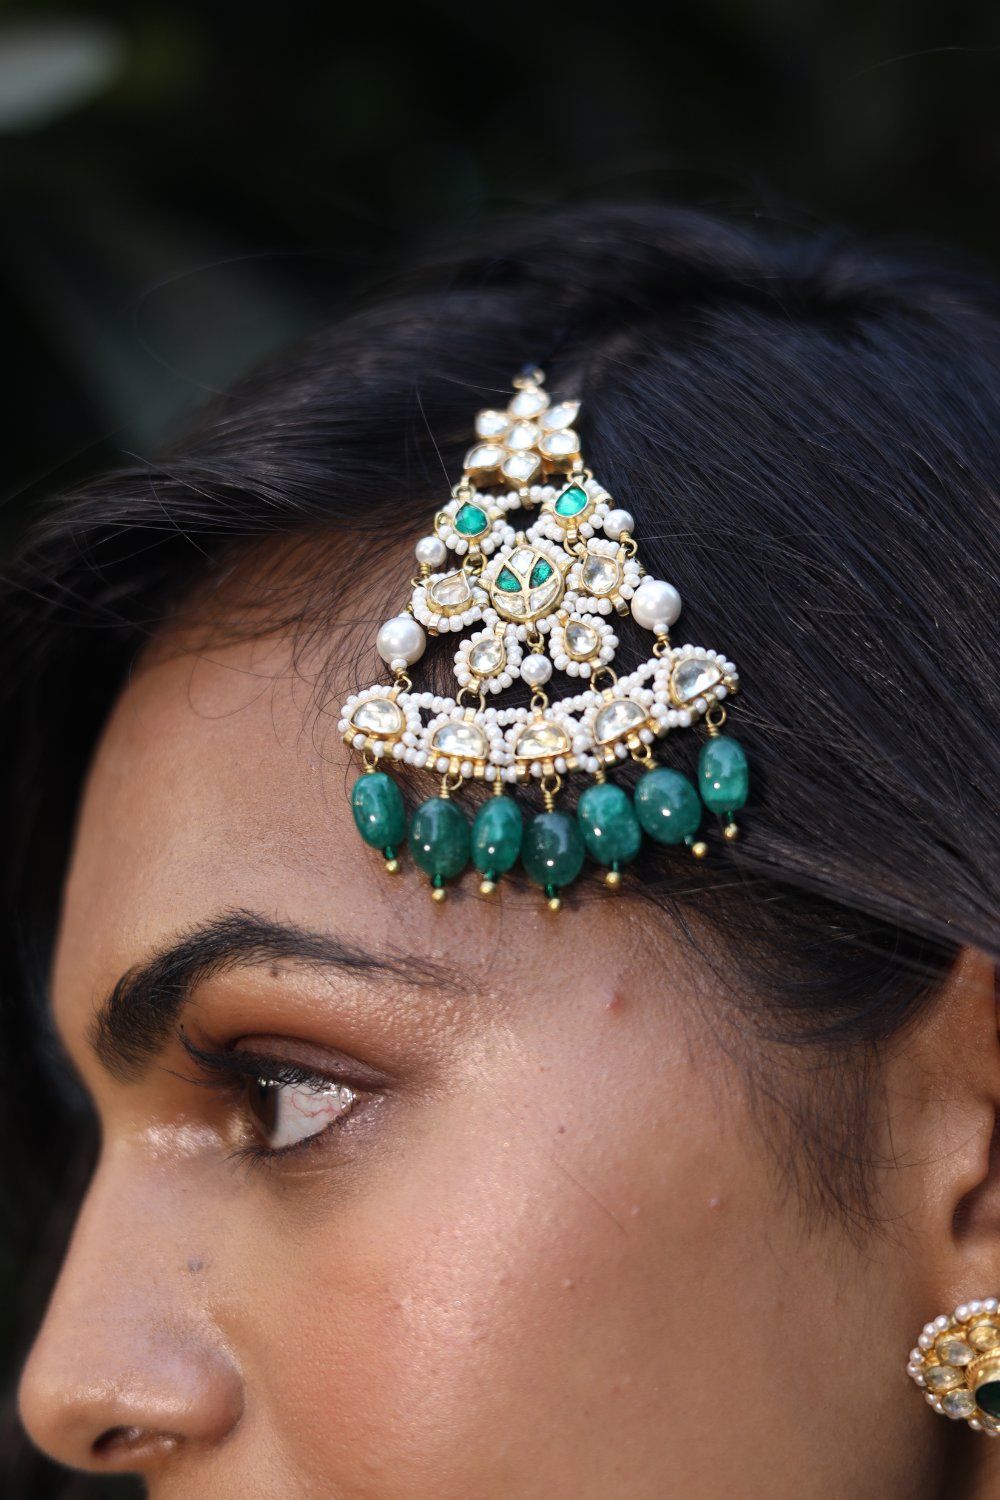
<point x="808" y="435"/>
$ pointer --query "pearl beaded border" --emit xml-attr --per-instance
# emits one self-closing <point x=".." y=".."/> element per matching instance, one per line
<point x="956" y="1358"/>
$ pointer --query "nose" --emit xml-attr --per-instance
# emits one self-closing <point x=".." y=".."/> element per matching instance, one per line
<point x="128" y="1370"/>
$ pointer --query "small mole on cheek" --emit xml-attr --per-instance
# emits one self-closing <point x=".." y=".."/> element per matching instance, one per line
<point x="615" y="1002"/>
<point x="715" y="1202"/>
<point x="561" y="1130"/>
<point x="195" y="1265"/>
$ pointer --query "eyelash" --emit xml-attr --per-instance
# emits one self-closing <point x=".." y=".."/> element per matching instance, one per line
<point x="234" y="1072"/>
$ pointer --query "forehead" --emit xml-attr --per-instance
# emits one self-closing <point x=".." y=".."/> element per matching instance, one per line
<point x="221" y="784"/>
<point x="217" y="784"/>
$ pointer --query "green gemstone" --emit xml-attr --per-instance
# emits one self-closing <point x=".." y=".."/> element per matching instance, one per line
<point x="509" y="582"/>
<point x="496" y="835"/>
<point x="377" y="804"/>
<point x="553" y="849"/>
<point x="539" y="573"/>
<point x="988" y="1398"/>
<point x="440" y="839"/>
<point x="571" y="501"/>
<point x="470" y="520"/>
<point x="723" y="775"/>
<point x="667" y="806"/>
<point x="609" y="826"/>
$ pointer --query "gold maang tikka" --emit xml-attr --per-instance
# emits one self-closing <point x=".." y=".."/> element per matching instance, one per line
<point x="531" y="556"/>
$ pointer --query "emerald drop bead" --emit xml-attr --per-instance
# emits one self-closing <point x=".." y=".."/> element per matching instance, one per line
<point x="667" y="806"/>
<point x="377" y="804"/>
<point x="471" y="521"/>
<point x="496" y="835"/>
<point x="610" y="830"/>
<point x="723" y="775"/>
<point x="553" y="849"/>
<point x="988" y="1398"/>
<point x="440" y="838"/>
<point x="571" y="501"/>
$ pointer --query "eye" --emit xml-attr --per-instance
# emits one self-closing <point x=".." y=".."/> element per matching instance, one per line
<point x="287" y="1113"/>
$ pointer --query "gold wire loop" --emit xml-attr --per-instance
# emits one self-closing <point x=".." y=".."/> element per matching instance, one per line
<point x="468" y="688"/>
<point x="644" y="757"/>
<point x="714" y="724"/>
<point x="403" y="680"/>
<point x="551" y="787"/>
<point x="602" y="668"/>
<point x="539" y="701"/>
<point x="629" y="545"/>
<point x="369" y="761"/>
<point x="451" y="784"/>
<point x="662" y="647"/>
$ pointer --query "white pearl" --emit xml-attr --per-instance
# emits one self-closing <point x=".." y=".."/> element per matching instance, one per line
<point x="655" y="603"/>
<point x="401" y="637"/>
<point x="431" y="550"/>
<point x="536" y="670"/>
<point x="617" y="521"/>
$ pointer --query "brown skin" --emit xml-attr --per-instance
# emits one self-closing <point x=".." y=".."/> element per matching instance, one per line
<point x="547" y="1257"/>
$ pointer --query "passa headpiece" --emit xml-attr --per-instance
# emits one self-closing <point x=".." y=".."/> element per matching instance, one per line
<point x="531" y="555"/>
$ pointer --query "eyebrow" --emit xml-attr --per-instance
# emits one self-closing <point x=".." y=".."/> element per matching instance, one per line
<point x="137" y="1019"/>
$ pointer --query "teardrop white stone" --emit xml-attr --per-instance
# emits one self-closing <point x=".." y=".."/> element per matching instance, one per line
<point x="522" y="436"/>
<point x="487" y="657"/>
<point x="484" y="457"/>
<point x="562" y="415"/>
<point x="581" y="640"/>
<point x="520" y="467"/>
<point x="492" y="424"/>
<point x="561" y="444"/>
<point x="451" y="591"/>
<point x="530" y="403"/>
<point x="601" y="575"/>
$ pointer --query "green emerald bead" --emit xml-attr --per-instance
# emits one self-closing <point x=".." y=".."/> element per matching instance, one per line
<point x="667" y="806"/>
<point x="988" y="1398"/>
<point x="377" y="804"/>
<point x="440" y="838"/>
<point x="610" y="830"/>
<point x="470" y="520"/>
<point x="553" y="849"/>
<point x="571" y="501"/>
<point x="723" y="775"/>
<point x="496" y="835"/>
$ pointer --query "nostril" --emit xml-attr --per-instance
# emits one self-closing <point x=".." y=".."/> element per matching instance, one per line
<point x="131" y="1442"/>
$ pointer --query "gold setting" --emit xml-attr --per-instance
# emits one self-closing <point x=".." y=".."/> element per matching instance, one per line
<point x="948" y="1368"/>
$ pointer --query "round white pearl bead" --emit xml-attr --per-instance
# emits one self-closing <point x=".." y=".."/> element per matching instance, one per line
<point x="617" y="521"/>
<point x="402" y="637"/>
<point x="536" y="670"/>
<point x="654" y="603"/>
<point x="431" y="550"/>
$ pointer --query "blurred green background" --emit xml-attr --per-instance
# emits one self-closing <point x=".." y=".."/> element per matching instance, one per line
<point x="186" y="186"/>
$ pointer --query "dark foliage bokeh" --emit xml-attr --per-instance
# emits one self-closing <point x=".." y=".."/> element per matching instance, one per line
<point x="242" y="167"/>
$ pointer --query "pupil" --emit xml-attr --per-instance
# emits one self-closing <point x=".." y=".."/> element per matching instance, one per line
<point x="262" y="1102"/>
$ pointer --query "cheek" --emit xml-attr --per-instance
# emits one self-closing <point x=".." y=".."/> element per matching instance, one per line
<point x="500" y="1282"/>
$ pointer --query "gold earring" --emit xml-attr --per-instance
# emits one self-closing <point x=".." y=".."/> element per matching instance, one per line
<point x="957" y="1365"/>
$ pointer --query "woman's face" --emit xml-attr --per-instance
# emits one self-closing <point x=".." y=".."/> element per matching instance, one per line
<point x="481" y="1212"/>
